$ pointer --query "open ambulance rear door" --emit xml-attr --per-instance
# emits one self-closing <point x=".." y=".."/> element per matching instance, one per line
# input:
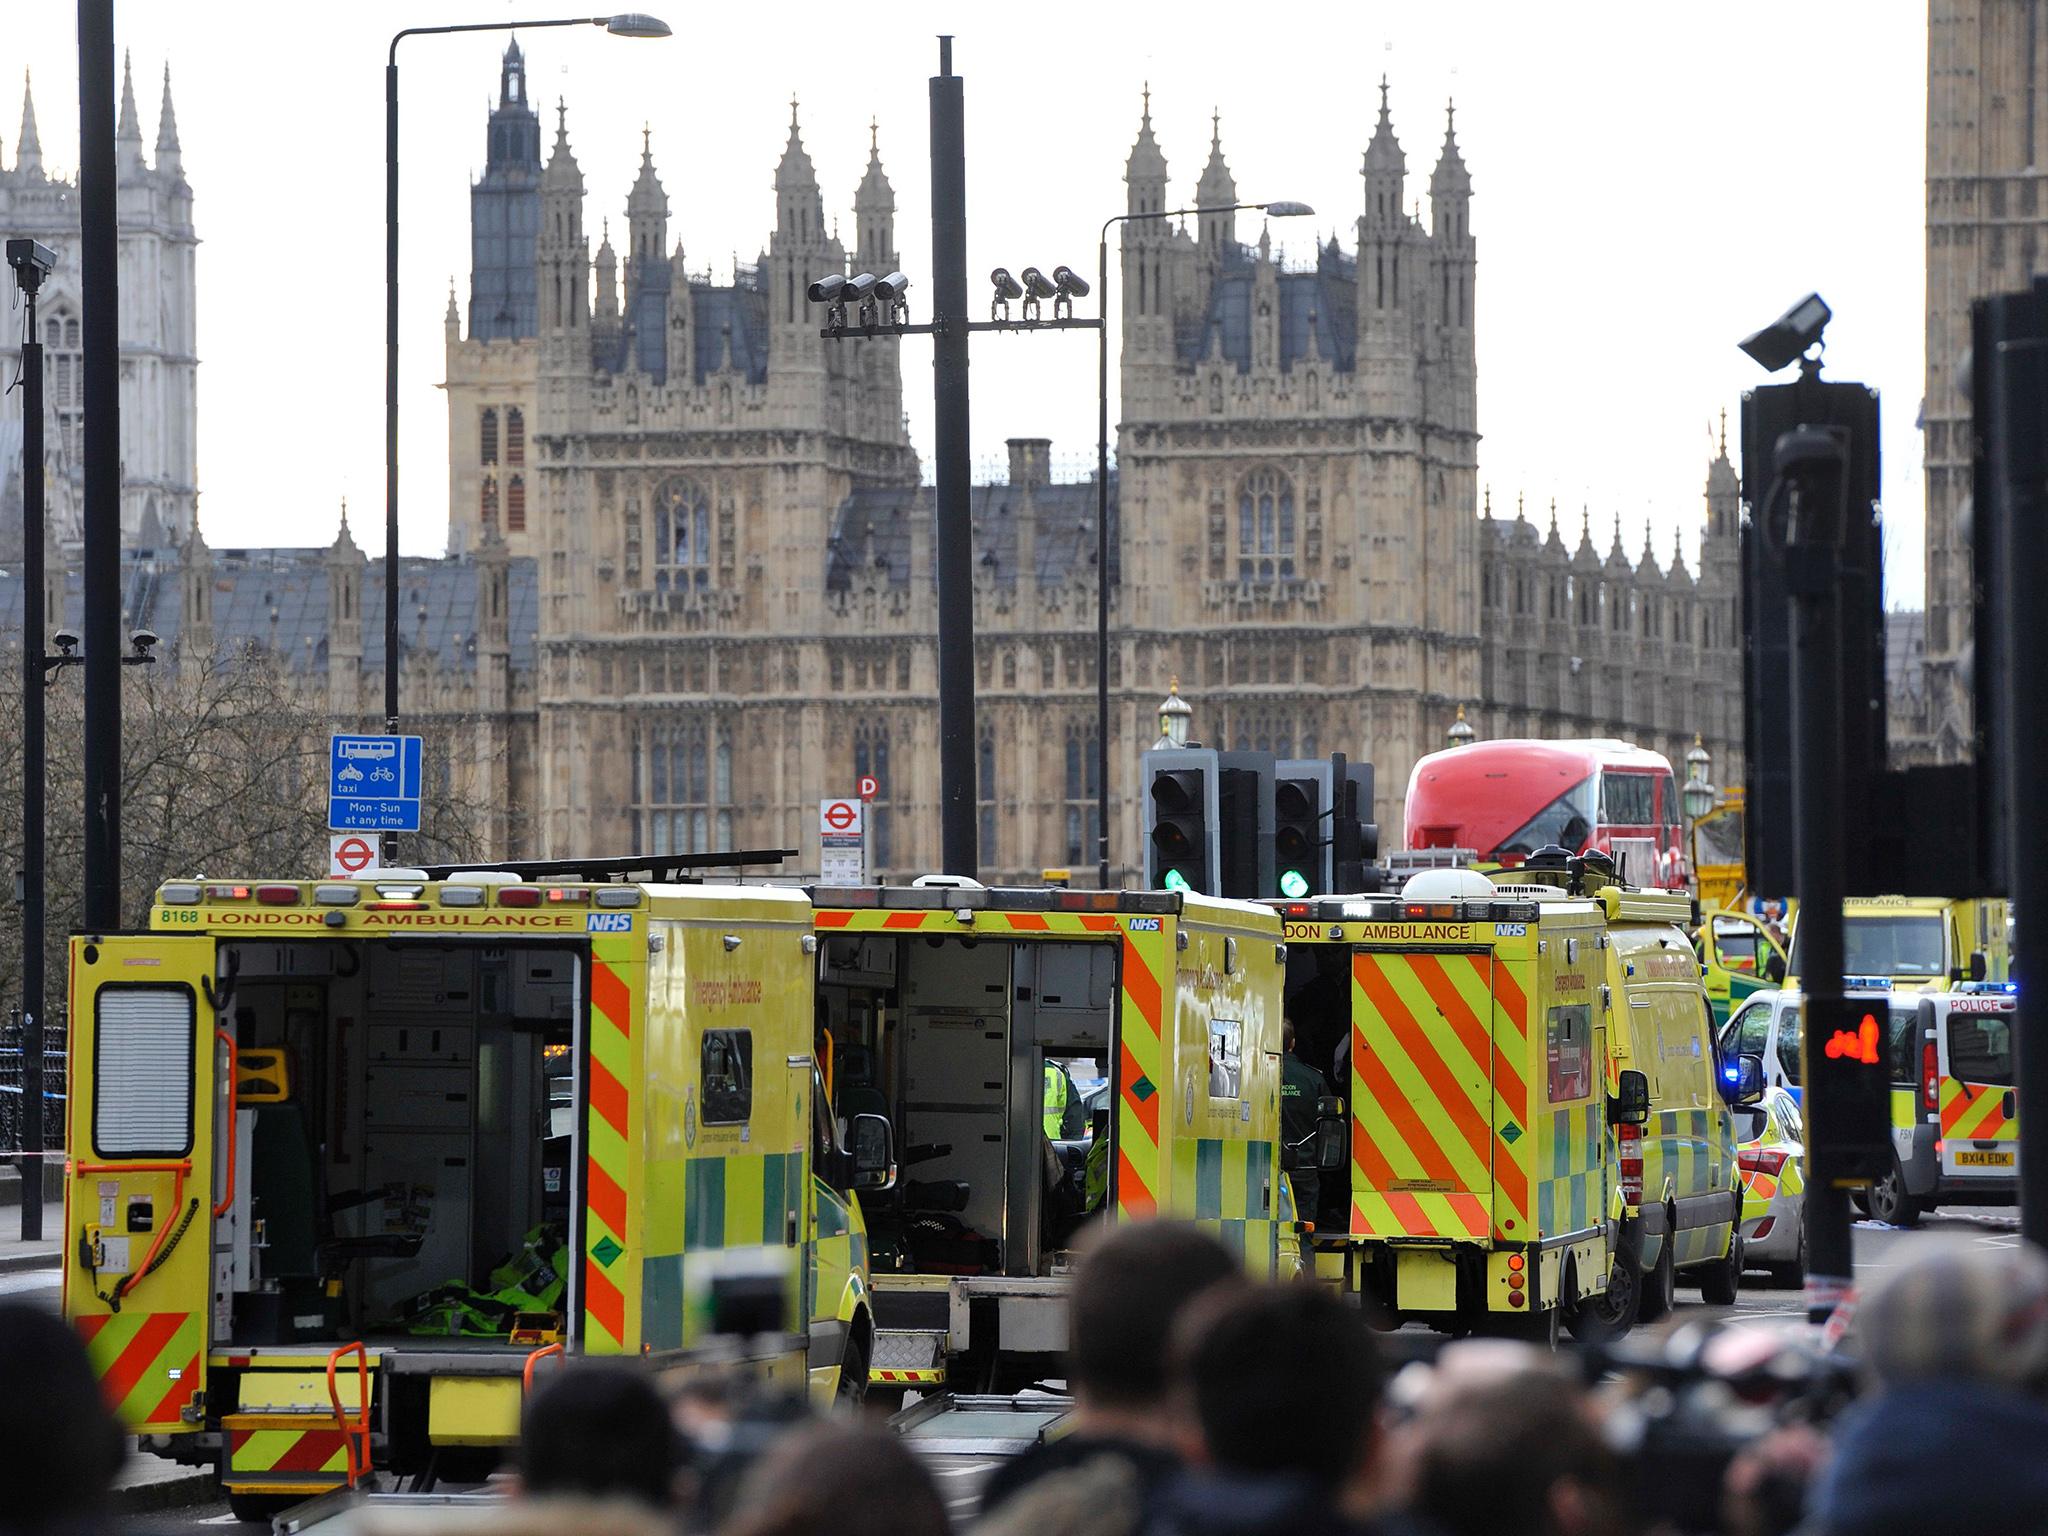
<point x="151" y="1076"/>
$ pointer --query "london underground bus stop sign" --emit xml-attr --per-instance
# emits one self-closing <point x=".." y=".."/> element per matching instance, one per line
<point x="373" y="784"/>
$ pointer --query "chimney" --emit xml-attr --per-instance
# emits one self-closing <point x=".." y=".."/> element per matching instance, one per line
<point x="1030" y="460"/>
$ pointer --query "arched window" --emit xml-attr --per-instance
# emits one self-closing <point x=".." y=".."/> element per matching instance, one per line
<point x="1265" y="527"/>
<point x="64" y="382"/>
<point x="682" y="535"/>
<point x="515" y="435"/>
<point x="1082" y="784"/>
<point x="675" y="812"/>
<point x="489" y="507"/>
<point x="487" y="437"/>
<point x="515" y="505"/>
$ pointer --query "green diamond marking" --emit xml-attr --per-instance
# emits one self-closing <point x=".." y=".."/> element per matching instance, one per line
<point x="1511" y="1133"/>
<point x="1142" y="1089"/>
<point x="606" y="1251"/>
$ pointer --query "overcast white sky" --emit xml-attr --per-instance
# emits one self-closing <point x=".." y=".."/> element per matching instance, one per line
<point x="1651" y="182"/>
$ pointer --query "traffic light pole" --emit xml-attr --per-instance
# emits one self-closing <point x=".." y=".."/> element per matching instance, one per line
<point x="34" y="687"/>
<point x="1811" y="471"/>
<point x="2010" y="398"/>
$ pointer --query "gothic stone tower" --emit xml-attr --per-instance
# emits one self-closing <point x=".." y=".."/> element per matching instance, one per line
<point x="1298" y="461"/>
<point x="691" y="440"/>
<point x="159" y="347"/>
<point x="491" y="373"/>
<point x="1987" y="224"/>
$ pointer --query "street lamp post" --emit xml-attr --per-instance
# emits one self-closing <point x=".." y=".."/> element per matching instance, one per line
<point x="1279" y="210"/>
<point x="1698" y="794"/>
<point x="1461" y="731"/>
<point x="626" y="24"/>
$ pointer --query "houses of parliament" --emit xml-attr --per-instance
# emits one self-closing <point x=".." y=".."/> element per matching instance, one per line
<point x="690" y="583"/>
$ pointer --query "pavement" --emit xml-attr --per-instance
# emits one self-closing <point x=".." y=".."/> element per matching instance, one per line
<point x="16" y="1255"/>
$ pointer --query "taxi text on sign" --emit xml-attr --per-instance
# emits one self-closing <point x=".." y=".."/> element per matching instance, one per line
<point x="374" y="784"/>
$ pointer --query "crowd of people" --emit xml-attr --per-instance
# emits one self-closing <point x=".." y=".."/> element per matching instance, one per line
<point x="1205" y="1404"/>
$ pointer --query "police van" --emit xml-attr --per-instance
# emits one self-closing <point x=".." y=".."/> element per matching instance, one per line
<point x="1965" y="1147"/>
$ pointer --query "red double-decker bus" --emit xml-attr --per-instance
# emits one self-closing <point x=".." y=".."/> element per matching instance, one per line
<point x="1505" y="799"/>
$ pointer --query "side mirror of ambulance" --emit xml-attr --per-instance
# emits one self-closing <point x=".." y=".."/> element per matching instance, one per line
<point x="1333" y="1134"/>
<point x="1631" y="1102"/>
<point x="874" y="1152"/>
<point x="1749" y="1080"/>
<point x="1980" y="965"/>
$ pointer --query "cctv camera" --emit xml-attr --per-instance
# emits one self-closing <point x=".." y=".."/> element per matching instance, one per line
<point x="143" y="640"/>
<point x="893" y="288"/>
<point x="67" y="642"/>
<point x="857" y="287"/>
<point x="1785" y="338"/>
<point x="1072" y="284"/>
<point x="1005" y="285"/>
<point x="826" y="290"/>
<point x="31" y="256"/>
<point x="1037" y="284"/>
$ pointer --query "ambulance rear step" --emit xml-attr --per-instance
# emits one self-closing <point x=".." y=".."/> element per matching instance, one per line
<point x="973" y="1424"/>
<point x="345" y="1509"/>
<point x="908" y="1357"/>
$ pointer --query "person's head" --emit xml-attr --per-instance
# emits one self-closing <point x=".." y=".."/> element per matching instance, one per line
<point x="1287" y="1033"/>
<point x="1954" y="1311"/>
<point x="1511" y="1448"/>
<point x="838" y="1479"/>
<point x="1280" y="1379"/>
<point x="1131" y="1289"/>
<point x="599" y="1430"/>
<point x="59" y="1446"/>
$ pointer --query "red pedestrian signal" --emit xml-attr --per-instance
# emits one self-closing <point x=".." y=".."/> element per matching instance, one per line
<point x="1859" y="1045"/>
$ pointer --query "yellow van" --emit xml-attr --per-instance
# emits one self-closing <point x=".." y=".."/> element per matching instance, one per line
<point x="1922" y="943"/>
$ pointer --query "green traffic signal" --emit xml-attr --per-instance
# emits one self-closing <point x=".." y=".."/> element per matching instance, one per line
<point x="1176" y="881"/>
<point x="1293" y="883"/>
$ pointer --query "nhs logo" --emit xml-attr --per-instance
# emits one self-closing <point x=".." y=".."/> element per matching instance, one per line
<point x="608" y="922"/>
<point x="1144" y="925"/>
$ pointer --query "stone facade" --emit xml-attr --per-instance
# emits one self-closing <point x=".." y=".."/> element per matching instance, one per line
<point x="159" y="349"/>
<point x="1987" y="230"/>
<point x="735" y="564"/>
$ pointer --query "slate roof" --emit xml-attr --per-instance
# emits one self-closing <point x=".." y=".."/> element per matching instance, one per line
<point x="1329" y="294"/>
<point x="743" y="308"/>
<point x="277" y="599"/>
<point x="876" y="525"/>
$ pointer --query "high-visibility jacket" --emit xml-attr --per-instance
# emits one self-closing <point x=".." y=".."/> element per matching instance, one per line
<point x="1058" y="1088"/>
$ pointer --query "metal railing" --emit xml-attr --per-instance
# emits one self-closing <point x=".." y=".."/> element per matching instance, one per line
<point x="11" y="1103"/>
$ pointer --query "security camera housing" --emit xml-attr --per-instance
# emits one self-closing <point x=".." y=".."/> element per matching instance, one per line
<point x="1037" y="284"/>
<point x="66" y="640"/>
<point x="826" y="290"/>
<point x="1006" y="286"/>
<point x="1785" y="338"/>
<point x="1071" y="284"/>
<point x="31" y="256"/>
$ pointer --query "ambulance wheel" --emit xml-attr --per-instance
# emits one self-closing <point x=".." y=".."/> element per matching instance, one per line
<point x="1605" y="1317"/>
<point x="1889" y="1202"/>
<point x="1721" y="1281"/>
<point x="1660" y="1290"/>
<point x="258" y="1508"/>
<point x="853" y="1373"/>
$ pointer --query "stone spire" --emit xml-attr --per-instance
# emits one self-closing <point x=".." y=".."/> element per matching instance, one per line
<point x="1384" y="169"/>
<point x="1216" y="189"/>
<point x="799" y="209"/>
<point x="28" y="155"/>
<point x="168" y="159"/>
<point x="1648" y="564"/>
<point x="607" y="276"/>
<point x="646" y="213"/>
<point x="128" y="137"/>
<point x="1450" y="173"/>
<point x="874" y="212"/>
<point x="1145" y="176"/>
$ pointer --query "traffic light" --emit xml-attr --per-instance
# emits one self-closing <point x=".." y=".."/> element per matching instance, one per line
<point x="1848" y="1086"/>
<point x="1302" y="803"/>
<point x="1770" y="413"/>
<point x="1244" y="803"/>
<point x="1354" y="837"/>
<point x="1181" y="817"/>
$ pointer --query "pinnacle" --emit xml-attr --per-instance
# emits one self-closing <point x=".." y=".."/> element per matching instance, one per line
<point x="29" y="151"/>
<point x="131" y="124"/>
<point x="167" y="122"/>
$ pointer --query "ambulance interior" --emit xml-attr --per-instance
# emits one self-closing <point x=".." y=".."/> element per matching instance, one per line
<point x="972" y="1047"/>
<point x="404" y="1121"/>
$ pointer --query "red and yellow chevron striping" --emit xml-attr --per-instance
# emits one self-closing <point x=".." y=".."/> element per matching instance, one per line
<point x="147" y="1362"/>
<point x="1976" y="1111"/>
<point x="611" y="1137"/>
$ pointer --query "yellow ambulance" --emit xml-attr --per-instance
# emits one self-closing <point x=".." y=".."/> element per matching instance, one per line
<point x="944" y="1001"/>
<point x="1502" y="1047"/>
<point x="1922" y="943"/>
<point x="351" y="1160"/>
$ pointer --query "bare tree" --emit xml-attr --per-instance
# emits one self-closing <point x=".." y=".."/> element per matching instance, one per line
<point x="223" y="773"/>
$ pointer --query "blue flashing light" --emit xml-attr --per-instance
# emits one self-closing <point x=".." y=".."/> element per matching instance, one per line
<point x="1733" y="1074"/>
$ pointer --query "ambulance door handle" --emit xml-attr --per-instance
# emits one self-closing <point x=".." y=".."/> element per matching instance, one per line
<point x="789" y="1229"/>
